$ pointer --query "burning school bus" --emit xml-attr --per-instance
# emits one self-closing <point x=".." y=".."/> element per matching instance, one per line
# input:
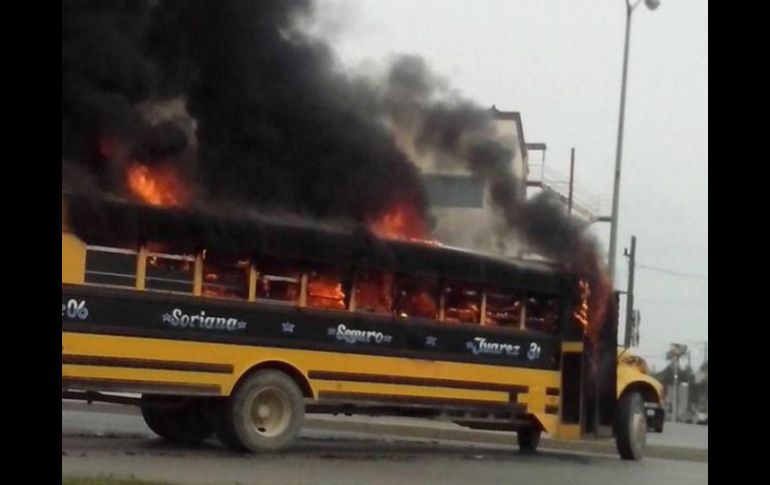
<point x="237" y="326"/>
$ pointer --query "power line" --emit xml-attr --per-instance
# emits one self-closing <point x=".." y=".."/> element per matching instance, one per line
<point x="673" y="302"/>
<point x="671" y="272"/>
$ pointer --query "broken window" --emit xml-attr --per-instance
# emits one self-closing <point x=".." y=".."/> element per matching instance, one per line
<point x="325" y="289"/>
<point x="416" y="297"/>
<point x="504" y="308"/>
<point x="169" y="271"/>
<point x="462" y="303"/>
<point x="542" y="313"/>
<point x="374" y="291"/>
<point x="225" y="276"/>
<point x="278" y="281"/>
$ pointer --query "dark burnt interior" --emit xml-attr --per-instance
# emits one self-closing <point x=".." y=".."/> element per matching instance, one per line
<point x="111" y="222"/>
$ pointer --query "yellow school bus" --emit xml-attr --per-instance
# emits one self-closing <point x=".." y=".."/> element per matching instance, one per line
<point x="236" y="325"/>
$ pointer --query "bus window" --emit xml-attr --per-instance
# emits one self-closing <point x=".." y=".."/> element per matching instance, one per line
<point x="278" y="281"/>
<point x="542" y="313"/>
<point x="166" y="271"/>
<point x="111" y="266"/>
<point x="325" y="290"/>
<point x="374" y="291"/>
<point x="225" y="277"/>
<point x="462" y="303"/>
<point x="416" y="297"/>
<point x="504" y="308"/>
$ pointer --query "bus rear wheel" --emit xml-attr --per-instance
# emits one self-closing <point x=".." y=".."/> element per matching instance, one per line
<point x="528" y="439"/>
<point x="631" y="426"/>
<point x="177" y="420"/>
<point x="264" y="413"/>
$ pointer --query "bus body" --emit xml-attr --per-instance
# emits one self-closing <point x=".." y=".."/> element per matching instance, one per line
<point x="238" y="325"/>
<point x="633" y="376"/>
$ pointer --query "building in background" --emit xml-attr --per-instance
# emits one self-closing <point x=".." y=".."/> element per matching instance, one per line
<point x="462" y="211"/>
<point x="460" y="204"/>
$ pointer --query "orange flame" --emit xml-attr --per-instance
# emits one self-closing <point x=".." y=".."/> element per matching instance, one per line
<point x="595" y="293"/>
<point x="325" y="291"/>
<point x="403" y="221"/>
<point x="581" y="312"/>
<point x="156" y="185"/>
<point x="420" y="304"/>
<point x="598" y="302"/>
<point x="374" y="292"/>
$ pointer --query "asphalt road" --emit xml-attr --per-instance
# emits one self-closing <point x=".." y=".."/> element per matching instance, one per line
<point x="681" y="434"/>
<point x="116" y="442"/>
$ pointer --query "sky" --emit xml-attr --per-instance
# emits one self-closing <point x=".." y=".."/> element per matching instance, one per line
<point x="559" y="63"/>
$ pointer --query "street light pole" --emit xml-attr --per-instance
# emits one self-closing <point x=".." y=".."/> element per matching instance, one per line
<point x="676" y="387"/>
<point x="652" y="5"/>
<point x="571" y="180"/>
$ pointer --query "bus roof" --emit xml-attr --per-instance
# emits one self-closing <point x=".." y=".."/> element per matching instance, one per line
<point x="109" y="221"/>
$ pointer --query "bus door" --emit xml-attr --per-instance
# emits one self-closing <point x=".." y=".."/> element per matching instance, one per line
<point x="589" y="380"/>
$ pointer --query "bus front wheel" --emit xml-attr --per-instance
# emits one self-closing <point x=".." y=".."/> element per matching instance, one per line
<point x="176" y="420"/>
<point x="264" y="413"/>
<point x="528" y="439"/>
<point x="631" y="426"/>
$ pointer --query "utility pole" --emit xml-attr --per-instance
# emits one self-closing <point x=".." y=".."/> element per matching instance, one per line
<point x="571" y="179"/>
<point x="677" y="351"/>
<point x="630" y="293"/>
<point x="676" y="387"/>
<point x="706" y="377"/>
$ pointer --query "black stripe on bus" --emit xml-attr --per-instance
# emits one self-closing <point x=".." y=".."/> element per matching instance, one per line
<point x="278" y="342"/>
<point x="101" y="361"/>
<point x="551" y="409"/>
<point x="417" y="381"/>
<point x="551" y="391"/>
<point x="146" y="314"/>
<point x="419" y="400"/>
<point x="128" y="385"/>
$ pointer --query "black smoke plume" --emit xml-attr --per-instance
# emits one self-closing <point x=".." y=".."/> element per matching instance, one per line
<point x="277" y="125"/>
<point x="259" y="114"/>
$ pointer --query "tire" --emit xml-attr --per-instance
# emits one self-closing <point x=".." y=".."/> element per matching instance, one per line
<point x="224" y="432"/>
<point x="528" y="439"/>
<point x="631" y="426"/>
<point x="177" y="420"/>
<point x="264" y="413"/>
